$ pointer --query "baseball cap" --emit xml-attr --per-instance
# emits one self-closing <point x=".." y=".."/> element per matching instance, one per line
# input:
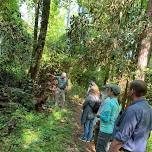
<point x="115" y="88"/>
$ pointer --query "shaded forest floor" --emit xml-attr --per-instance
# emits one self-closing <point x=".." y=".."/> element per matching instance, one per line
<point x="36" y="132"/>
<point x="54" y="131"/>
<point x="47" y="131"/>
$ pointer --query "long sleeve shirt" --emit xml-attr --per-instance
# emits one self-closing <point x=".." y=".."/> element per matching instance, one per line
<point x="62" y="83"/>
<point x="108" y="115"/>
<point x="134" y="125"/>
<point x="88" y="107"/>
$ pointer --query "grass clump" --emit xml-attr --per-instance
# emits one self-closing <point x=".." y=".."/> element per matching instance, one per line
<point x="37" y="132"/>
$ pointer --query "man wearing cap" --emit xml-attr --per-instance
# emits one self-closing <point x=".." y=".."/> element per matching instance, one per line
<point x="108" y="116"/>
<point x="134" y="125"/>
<point x="61" y="87"/>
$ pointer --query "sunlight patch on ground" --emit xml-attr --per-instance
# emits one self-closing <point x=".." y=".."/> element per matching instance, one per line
<point x="29" y="137"/>
<point x="76" y="98"/>
<point x="29" y="117"/>
<point x="57" y="115"/>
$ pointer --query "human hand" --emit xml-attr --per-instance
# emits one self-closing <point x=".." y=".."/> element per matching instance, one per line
<point x="115" y="146"/>
<point x="98" y="116"/>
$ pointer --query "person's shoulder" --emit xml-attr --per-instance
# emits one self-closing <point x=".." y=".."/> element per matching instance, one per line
<point x="89" y="97"/>
<point x="108" y="102"/>
<point x="57" y="77"/>
<point x="137" y="105"/>
<point x="93" y="97"/>
<point x="107" y="99"/>
<point x="113" y="101"/>
<point x="134" y="109"/>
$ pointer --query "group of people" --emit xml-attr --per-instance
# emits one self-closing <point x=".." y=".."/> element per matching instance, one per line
<point x="112" y="128"/>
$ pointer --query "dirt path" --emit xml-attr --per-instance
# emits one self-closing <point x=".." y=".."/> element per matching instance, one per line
<point x="81" y="146"/>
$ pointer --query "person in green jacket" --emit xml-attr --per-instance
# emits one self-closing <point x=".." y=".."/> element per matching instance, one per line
<point x="108" y="115"/>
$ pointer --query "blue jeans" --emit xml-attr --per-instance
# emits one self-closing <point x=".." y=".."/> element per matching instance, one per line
<point x="88" y="129"/>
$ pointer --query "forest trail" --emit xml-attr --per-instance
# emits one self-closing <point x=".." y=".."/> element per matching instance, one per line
<point x="81" y="146"/>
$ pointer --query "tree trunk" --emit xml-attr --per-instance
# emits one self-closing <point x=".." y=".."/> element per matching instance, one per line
<point x="38" y="51"/>
<point x="145" y="50"/>
<point x="107" y="74"/>
<point x="125" y="95"/>
<point x="68" y="13"/>
<point x="37" y="11"/>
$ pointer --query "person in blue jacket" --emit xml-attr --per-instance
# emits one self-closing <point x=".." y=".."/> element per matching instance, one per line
<point x="133" y="127"/>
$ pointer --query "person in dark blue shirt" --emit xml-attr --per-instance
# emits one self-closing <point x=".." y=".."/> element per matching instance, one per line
<point x="132" y="128"/>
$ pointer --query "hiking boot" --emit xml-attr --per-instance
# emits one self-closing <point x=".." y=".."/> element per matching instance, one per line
<point x="83" y="139"/>
<point x="92" y="140"/>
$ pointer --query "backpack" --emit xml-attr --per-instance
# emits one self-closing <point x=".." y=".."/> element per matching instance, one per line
<point x="96" y="107"/>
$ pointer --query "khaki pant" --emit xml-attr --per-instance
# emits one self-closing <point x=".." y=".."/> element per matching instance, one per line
<point x="60" y="97"/>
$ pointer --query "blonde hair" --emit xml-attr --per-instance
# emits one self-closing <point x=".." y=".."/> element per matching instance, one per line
<point x="94" y="90"/>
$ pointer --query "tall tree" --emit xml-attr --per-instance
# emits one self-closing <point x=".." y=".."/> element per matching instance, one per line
<point x="145" y="50"/>
<point x="36" y="25"/>
<point x="38" y="48"/>
<point x="37" y="12"/>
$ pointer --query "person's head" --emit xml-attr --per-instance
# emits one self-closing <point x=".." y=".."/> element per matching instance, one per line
<point x="104" y="89"/>
<point x="63" y="75"/>
<point x="104" y="92"/>
<point x="137" y="89"/>
<point x="91" y="83"/>
<point x="94" y="90"/>
<point x="113" y="90"/>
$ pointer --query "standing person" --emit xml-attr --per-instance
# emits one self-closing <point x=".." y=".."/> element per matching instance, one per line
<point x="103" y="98"/>
<point x="91" y="84"/>
<point x="87" y="117"/>
<point x="60" y="90"/>
<point x="108" y="116"/>
<point x="134" y="125"/>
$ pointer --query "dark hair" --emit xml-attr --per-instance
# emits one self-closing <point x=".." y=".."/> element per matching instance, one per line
<point x="140" y="87"/>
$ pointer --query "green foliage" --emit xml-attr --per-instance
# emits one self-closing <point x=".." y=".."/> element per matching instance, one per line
<point x="22" y="97"/>
<point x="149" y="146"/>
<point x="112" y="38"/>
<point x="78" y="34"/>
<point x="38" y="132"/>
<point x="101" y="43"/>
<point x="15" y="39"/>
<point x="55" y="40"/>
<point x="149" y="82"/>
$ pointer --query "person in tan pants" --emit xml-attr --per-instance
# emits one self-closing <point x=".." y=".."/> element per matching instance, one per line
<point x="60" y="90"/>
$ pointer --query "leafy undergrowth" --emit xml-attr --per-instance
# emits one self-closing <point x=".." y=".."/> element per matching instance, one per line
<point x="149" y="145"/>
<point x="37" y="132"/>
<point x="43" y="132"/>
